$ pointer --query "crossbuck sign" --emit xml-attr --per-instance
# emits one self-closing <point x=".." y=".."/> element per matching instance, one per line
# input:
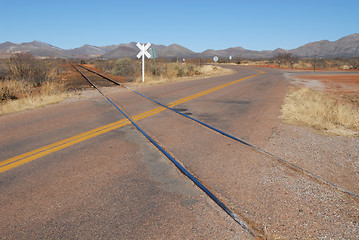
<point x="142" y="54"/>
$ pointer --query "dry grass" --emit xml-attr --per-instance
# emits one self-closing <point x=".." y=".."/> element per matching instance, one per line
<point x="187" y="73"/>
<point x="321" y="111"/>
<point x="28" y="97"/>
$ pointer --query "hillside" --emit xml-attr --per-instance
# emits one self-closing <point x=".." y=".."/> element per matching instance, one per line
<point x="124" y="50"/>
<point x="87" y="50"/>
<point x="344" y="47"/>
<point x="36" y="48"/>
<point x="174" y="50"/>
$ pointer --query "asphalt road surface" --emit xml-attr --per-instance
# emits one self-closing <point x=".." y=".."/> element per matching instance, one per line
<point x="78" y="170"/>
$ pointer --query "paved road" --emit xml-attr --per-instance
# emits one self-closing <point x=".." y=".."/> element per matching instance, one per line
<point x="112" y="183"/>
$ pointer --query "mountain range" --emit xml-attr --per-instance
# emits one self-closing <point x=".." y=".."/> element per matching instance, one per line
<point x="347" y="46"/>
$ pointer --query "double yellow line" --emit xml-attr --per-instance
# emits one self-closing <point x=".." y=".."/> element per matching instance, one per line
<point x="43" y="151"/>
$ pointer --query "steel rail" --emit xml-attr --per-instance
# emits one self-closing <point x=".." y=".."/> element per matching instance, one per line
<point x="176" y="163"/>
<point x="304" y="171"/>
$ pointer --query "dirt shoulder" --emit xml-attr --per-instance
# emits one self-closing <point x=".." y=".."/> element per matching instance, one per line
<point x="334" y="157"/>
<point x="328" y="103"/>
<point x="338" y="83"/>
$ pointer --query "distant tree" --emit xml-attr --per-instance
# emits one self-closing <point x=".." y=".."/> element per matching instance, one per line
<point x="354" y="62"/>
<point x="26" y="67"/>
<point x="105" y="65"/>
<point x="286" y="58"/>
<point x="238" y="59"/>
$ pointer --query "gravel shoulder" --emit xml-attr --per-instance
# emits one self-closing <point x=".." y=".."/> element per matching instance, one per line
<point x="335" y="158"/>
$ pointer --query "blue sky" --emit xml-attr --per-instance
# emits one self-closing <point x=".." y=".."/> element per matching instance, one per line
<point x="197" y="24"/>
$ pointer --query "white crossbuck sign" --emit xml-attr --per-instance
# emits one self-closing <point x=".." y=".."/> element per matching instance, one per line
<point x="142" y="54"/>
<point x="143" y="49"/>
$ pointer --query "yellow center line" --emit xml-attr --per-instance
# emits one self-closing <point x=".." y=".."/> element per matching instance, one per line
<point x="43" y="151"/>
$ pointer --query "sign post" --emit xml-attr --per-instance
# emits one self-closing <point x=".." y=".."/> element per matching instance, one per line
<point x="142" y="54"/>
<point x="215" y="59"/>
<point x="154" y="59"/>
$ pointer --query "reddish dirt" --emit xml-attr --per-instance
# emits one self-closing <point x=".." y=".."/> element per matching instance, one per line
<point x="113" y="77"/>
<point x="304" y="69"/>
<point x="91" y="66"/>
<point x="74" y="80"/>
<point x="338" y="83"/>
<point x="342" y="78"/>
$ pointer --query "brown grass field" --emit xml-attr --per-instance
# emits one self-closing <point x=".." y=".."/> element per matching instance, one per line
<point x="332" y="110"/>
<point x="28" y="97"/>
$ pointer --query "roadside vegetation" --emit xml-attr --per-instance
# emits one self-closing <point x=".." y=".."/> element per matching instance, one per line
<point x="291" y="61"/>
<point x="322" y="111"/>
<point x="27" y="83"/>
<point x="310" y="64"/>
<point x="161" y="71"/>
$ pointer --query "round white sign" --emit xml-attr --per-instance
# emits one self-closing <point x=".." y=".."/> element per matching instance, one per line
<point x="215" y="58"/>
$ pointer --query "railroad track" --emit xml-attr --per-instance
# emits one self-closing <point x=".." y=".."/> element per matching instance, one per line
<point x="172" y="159"/>
<point x="247" y="226"/>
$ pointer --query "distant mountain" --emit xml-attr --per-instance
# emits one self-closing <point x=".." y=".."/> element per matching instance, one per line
<point x="344" y="47"/>
<point x="36" y="48"/>
<point x="90" y="51"/>
<point x="236" y="52"/>
<point x="7" y="46"/>
<point x="174" y="50"/>
<point x="109" y="48"/>
<point x="87" y="50"/>
<point x="123" y="50"/>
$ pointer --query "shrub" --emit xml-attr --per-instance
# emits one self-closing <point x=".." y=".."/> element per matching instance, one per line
<point x="180" y="72"/>
<point x="124" y="67"/>
<point x="26" y="67"/>
<point x="3" y="71"/>
<point x="105" y="65"/>
<point x="6" y="95"/>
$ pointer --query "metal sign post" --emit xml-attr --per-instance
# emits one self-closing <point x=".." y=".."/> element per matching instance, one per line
<point x="142" y="54"/>
<point x="154" y="55"/>
<point x="215" y="59"/>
